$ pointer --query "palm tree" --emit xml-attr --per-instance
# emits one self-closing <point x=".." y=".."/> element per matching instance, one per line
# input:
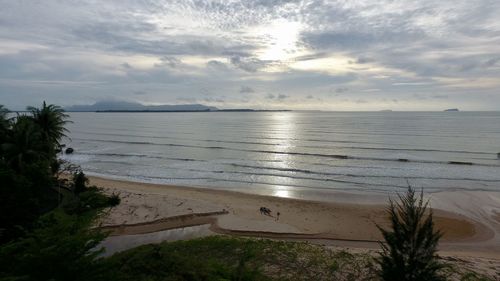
<point x="24" y="143"/>
<point x="51" y="119"/>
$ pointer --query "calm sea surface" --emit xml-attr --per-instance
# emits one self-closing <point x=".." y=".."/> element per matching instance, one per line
<point x="293" y="153"/>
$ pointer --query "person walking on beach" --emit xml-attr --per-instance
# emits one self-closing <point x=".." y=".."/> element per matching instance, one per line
<point x="277" y="216"/>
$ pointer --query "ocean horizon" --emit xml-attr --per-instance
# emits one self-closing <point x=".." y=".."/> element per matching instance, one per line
<point x="295" y="153"/>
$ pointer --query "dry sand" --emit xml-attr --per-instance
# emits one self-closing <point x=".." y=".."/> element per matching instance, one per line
<point x="147" y="208"/>
<point x="470" y="220"/>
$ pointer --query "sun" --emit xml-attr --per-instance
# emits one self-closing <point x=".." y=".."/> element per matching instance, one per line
<point x="281" y="37"/>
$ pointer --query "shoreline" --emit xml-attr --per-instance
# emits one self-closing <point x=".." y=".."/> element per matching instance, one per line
<point x="147" y="208"/>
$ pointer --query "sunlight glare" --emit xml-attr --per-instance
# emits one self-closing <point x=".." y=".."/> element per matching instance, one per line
<point x="283" y="36"/>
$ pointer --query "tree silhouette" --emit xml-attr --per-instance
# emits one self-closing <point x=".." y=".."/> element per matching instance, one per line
<point x="409" y="251"/>
<point x="4" y="120"/>
<point x="51" y="119"/>
<point x="24" y="144"/>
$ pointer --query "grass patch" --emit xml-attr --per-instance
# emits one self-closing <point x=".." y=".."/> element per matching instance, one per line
<point x="246" y="259"/>
<point x="225" y="258"/>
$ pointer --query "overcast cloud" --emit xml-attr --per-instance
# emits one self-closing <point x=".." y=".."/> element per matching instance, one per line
<point x="328" y="55"/>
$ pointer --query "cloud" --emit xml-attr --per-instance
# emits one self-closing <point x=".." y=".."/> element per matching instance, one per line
<point x="140" y="93"/>
<point x="212" y="100"/>
<point x="186" y="100"/>
<point x="341" y="90"/>
<point x="216" y="65"/>
<point x="440" y="96"/>
<point x="363" y="60"/>
<point x="126" y="65"/>
<point x="282" y="97"/>
<point x="344" y="52"/>
<point x="172" y="62"/>
<point x="246" y="89"/>
<point x="249" y="64"/>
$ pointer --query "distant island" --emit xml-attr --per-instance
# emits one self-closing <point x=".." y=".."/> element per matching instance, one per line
<point x="122" y="106"/>
<point x="451" y="109"/>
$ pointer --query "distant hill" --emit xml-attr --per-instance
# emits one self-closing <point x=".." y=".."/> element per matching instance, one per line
<point x="451" y="109"/>
<point x="133" y="106"/>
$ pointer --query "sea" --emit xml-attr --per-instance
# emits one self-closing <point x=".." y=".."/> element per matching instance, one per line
<point x="292" y="153"/>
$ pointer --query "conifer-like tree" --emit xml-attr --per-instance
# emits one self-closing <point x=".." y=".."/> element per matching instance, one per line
<point x="410" y="249"/>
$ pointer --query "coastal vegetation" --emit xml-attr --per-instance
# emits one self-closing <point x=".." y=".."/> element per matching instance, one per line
<point x="410" y="248"/>
<point x="45" y="216"/>
<point x="228" y="258"/>
<point x="49" y="229"/>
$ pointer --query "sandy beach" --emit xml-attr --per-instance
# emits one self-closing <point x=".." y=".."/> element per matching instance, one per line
<point x="147" y="208"/>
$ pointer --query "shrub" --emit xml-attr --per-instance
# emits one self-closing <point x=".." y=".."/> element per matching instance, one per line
<point x="61" y="247"/>
<point x="79" y="182"/>
<point x="409" y="251"/>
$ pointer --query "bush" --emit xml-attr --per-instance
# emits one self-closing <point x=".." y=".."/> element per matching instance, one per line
<point x="61" y="247"/>
<point x="114" y="200"/>
<point x="80" y="182"/>
<point x="167" y="262"/>
<point x="45" y="229"/>
<point x="23" y="198"/>
<point x="90" y="200"/>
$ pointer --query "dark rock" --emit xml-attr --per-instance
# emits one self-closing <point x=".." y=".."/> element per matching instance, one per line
<point x="340" y="156"/>
<point x="69" y="150"/>
<point x="460" y="163"/>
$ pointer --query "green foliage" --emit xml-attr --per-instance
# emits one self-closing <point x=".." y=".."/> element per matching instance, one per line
<point x="61" y="247"/>
<point x="23" y="144"/>
<point x="26" y="169"/>
<point x="4" y="122"/>
<point x="158" y="263"/>
<point x="409" y="252"/>
<point x="23" y="198"/>
<point x="80" y="182"/>
<point x="473" y="276"/>
<point x="90" y="200"/>
<point x="51" y="119"/>
<point x="38" y="240"/>
<point x="226" y="258"/>
<point x="113" y="200"/>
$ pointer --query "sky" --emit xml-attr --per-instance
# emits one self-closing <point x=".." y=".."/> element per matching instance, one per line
<point x="263" y="54"/>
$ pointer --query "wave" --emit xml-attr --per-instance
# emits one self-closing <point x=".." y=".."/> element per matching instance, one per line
<point x="343" y="181"/>
<point x="358" y="175"/>
<point x="261" y="174"/>
<point x="140" y="155"/>
<point x="334" y="156"/>
<point x="209" y="181"/>
<point x="325" y="133"/>
<point x="304" y="146"/>
<point x="323" y="179"/>
<point x="228" y="159"/>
